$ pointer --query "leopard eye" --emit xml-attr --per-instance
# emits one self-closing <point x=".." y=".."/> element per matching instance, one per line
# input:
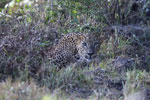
<point x="84" y="44"/>
<point x="95" y="43"/>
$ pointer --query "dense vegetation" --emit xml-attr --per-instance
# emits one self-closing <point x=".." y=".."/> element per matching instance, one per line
<point x="120" y="69"/>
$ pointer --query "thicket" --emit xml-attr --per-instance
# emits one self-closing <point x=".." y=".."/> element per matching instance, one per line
<point x="26" y="30"/>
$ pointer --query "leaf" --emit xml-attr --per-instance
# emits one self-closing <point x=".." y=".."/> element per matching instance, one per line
<point x="29" y="19"/>
<point x="46" y="98"/>
<point x="49" y="98"/>
<point x="18" y="1"/>
<point x="53" y="13"/>
<point x="10" y="11"/>
<point x="74" y="12"/>
<point x="0" y="9"/>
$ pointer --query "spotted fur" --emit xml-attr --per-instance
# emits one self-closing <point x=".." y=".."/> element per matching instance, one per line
<point x="70" y="49"/>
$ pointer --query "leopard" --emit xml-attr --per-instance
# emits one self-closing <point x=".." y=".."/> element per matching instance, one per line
<point x="72" y="48"/>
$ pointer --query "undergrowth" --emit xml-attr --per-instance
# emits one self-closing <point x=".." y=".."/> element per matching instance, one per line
<point x="121" y="29"/>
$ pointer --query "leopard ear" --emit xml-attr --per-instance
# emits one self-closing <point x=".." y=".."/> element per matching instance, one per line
<point x="81" y="36"/>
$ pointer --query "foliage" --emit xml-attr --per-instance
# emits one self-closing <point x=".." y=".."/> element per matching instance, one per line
<point x="21" y="90"/>
<point x="136" y="81"/>
<point x="26" y="30"/>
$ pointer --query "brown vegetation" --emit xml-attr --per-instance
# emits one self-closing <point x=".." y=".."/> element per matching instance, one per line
<point x="120" y="69"/>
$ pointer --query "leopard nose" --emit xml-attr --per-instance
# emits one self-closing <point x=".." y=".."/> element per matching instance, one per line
<point x="90" y="54"/>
